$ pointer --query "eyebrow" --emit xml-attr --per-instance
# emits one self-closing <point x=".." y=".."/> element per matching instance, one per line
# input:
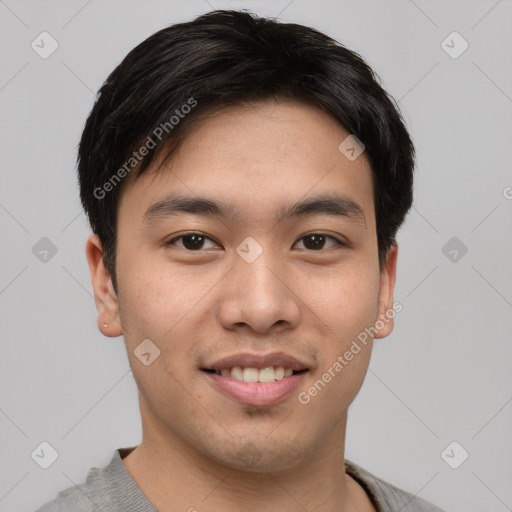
<point x="336" y="205"/>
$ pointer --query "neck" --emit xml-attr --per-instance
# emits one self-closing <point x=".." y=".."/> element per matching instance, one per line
<point x="175" y="476"/>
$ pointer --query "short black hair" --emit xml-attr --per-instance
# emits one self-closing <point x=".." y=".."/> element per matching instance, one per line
<point x="225" y="58"/>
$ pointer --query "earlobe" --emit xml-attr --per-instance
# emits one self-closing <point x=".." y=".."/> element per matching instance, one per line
<point x="104" y="295"/>
<point x="384" y="322"/>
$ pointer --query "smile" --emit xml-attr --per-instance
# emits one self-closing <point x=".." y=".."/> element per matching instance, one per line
<point x="245" y="387"/>
<point x="268" y="374"/>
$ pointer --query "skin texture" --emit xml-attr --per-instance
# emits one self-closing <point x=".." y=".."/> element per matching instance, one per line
<point x="202" y="304"/>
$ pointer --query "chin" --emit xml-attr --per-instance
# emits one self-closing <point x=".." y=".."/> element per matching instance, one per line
<point x="260" y="456"/>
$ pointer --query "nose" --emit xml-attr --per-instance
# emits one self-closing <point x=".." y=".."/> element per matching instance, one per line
<point x="259" y="296"/>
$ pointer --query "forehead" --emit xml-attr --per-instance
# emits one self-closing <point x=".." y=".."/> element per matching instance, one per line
<point x="257" y="159"/>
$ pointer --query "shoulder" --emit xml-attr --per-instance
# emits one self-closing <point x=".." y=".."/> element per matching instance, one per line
<point x="72" y="499"/>
<point x="85" y="496"/>
<point x="107" y="488"/>
<point x="385" y="495"/>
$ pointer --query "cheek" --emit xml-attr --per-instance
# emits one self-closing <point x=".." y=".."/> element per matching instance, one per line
<point x="163" y="306"/>
<point x="345" y="302"/>
<point x="152" y="309"/>
<point x="344" y="306"/>
<point x="345" y="349"/>
<point x="153" y="297"/>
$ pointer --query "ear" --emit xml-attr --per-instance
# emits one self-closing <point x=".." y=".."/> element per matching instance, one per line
<point x="386" y="312"/>
<point x="104" y="294"/>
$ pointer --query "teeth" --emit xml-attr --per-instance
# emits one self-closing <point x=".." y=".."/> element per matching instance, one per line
<point x="251" y="375"/>
<point x="237" y="373"/>
<point x="269" y="374"/>
<point x="266" y="375"/>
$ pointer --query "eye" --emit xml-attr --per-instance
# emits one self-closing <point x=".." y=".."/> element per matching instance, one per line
<point x="195" y="241"/>
<point x="190" y="241"/>
<point x="316" y="241"/>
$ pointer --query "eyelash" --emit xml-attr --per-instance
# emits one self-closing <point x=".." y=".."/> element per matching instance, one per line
<point x="338" y="241"/>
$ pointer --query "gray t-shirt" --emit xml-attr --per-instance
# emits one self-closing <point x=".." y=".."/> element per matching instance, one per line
<point x="112" y="489"/>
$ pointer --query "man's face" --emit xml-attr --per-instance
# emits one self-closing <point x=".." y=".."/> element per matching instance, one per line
<point x="299" y="290"/>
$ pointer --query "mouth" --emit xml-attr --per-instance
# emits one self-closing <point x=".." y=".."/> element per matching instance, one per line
<point x="256" y="380"/>
<point x="248" y="374"/>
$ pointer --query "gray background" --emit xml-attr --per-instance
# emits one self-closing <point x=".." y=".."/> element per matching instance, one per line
<point x="443" y="375"/>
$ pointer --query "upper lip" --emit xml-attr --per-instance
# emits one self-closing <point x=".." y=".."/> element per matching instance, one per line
<point x="259" y="361"/>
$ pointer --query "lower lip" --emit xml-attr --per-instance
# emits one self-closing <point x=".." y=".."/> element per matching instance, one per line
<point x="256" y="393"/>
